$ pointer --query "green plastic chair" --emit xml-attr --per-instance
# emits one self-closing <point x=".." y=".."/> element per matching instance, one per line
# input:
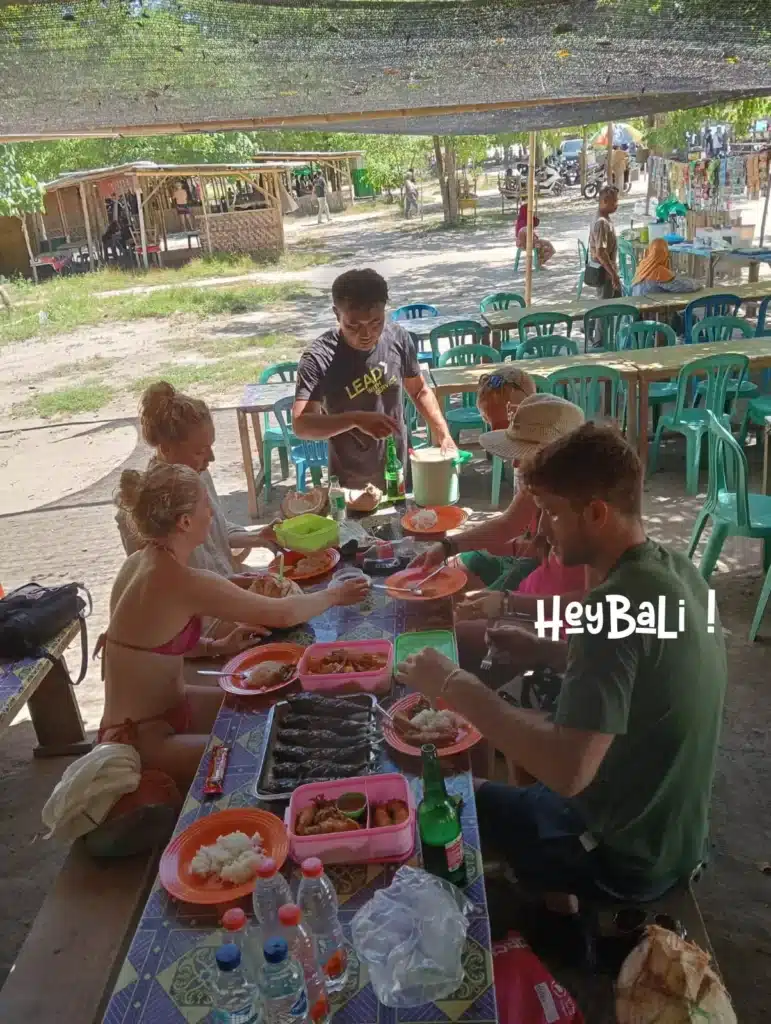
<point x="612" y="321"/>
<point x="547" y="345"/>
<point x="466" y="416"/>
<point x="645" y="334"/>
<point x="594" y="389"/>
<point x="734" y="513"/>
<point x="456" y="332"/>
<point x="583" y="256"/>
<point x="754" y="415"/>
<point x="543" y="323"/>
<point x="417" y="430"/>
<point x="536" y="261"/>
<point x="627" y="265"/>
<point x="500" y="301"/>
<point x="692" y="421"/>
<point x="723" y="328"/>
<point x="272" y="435"/>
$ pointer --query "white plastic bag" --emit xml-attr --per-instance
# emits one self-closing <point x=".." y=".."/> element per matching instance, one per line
<point x="411" y="936"/>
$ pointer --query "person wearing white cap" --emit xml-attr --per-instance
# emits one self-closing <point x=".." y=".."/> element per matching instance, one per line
<point x="492" y="552"/>
<point x="624" y="766"/>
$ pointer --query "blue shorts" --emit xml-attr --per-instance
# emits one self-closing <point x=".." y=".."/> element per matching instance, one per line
<point x="540" y="835"/>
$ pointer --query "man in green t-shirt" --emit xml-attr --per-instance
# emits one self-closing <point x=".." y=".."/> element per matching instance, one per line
<point x="623" y="769"/>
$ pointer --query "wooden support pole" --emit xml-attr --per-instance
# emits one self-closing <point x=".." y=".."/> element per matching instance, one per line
<point x="204" y="204"/>
<point x="31" y="255"/>
<point x="608" y="169"/>
<point x="141" y="215"/>
<point x="530" y="216"/>
<point x="62" y="215"/>
<point x="582" y="169"/>
<point x="764" y="218"/>
<point x="87" y="222"/>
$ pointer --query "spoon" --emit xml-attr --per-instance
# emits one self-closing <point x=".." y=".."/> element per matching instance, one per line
<point x="217" y="672"/>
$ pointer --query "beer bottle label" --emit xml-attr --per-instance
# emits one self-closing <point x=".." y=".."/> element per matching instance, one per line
<point x="454" y="853"/>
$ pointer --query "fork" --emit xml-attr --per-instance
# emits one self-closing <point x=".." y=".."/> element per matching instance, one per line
<point x="398" y="590"/>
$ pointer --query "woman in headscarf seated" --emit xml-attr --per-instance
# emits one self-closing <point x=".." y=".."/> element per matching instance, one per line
<point x="544" y="249"/>
<point x="654" y="274"/>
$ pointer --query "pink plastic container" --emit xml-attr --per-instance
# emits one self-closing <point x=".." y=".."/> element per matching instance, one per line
<point x="366" y="845"/>
<point x="350" y="682"/>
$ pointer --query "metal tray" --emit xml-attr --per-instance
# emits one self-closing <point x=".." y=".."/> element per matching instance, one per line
<point x="275" y="717"/>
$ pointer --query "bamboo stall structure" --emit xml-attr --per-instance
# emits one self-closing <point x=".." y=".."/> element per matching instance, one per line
<point x="236" y="208"/>
<point x="335" y="164"/>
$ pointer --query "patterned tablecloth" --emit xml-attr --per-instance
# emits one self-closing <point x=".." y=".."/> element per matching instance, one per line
<point x="164" y="979"/>
<point x="20" y="679"/>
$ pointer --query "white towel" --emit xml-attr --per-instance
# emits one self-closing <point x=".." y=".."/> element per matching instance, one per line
<point x="90" y="788"/>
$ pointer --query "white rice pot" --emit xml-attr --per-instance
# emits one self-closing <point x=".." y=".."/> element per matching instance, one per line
<point x="434" y="477"/>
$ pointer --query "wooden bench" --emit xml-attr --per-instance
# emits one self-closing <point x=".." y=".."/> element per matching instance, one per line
<point x="66" y="969"/>
<point x="46" y="686"/>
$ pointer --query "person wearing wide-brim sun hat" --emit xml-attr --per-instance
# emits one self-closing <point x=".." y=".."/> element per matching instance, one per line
<point x="502" y="557"/>
<point x="535" y="423"/>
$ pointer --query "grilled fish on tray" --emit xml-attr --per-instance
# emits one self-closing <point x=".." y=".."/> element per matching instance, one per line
<point x="315" y="737"/>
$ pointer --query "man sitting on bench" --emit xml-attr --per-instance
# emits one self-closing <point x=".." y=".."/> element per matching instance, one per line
<point x="621" y="773"/>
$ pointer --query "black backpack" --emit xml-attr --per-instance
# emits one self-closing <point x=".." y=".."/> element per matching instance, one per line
<point x="32" y="615"/>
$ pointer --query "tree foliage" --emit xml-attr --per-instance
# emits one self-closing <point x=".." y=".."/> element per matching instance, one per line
<point x="670" y="130"/>
<point x="20" y="191"/>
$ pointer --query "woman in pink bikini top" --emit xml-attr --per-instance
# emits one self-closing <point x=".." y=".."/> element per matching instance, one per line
<point x="157" y="603"/>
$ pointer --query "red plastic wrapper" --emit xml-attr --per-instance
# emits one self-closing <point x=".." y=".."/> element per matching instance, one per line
<point x="525" y="991"/>
<point x="218" y="762"/>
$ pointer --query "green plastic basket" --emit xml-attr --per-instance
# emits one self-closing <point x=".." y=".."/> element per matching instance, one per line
<point x="308" y="533"/>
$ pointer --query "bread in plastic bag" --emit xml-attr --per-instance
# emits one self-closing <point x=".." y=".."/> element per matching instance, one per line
<point x="667" y="980"/>
<point x="411" y="936"/>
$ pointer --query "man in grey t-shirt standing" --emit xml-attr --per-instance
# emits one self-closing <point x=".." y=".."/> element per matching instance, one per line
<point x="351" y="382"/>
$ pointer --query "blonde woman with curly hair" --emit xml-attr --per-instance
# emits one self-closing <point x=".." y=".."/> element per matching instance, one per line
<point x="158" y="601"/>
<point x="180" y="429"/>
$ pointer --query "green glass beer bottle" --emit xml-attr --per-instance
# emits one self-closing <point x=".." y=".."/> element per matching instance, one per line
<point x="439" y="824"/>
<point x="394" y="472"/>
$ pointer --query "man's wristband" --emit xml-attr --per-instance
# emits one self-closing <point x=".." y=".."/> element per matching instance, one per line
<point x="450" y="547"/>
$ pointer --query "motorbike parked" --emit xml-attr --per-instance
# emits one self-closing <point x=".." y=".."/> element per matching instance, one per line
<point x="595" y="179"/>
<point x="548" y="180"/>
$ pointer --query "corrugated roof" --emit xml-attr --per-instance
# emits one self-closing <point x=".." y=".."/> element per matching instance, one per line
<point x="413" y="66"/>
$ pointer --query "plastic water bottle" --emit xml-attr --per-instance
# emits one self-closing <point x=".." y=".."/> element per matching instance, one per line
<point x="317" y="900"/>
<point x="303" y="949"/>
<point x="284" y="997"/>
<point x="235" y="998"/>
<point x="271" y="892"/>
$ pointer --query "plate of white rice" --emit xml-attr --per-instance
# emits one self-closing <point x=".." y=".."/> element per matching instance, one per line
<point x="215" y="859"/>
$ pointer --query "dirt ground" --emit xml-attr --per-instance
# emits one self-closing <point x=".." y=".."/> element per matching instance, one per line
<point x="56" y="524"/>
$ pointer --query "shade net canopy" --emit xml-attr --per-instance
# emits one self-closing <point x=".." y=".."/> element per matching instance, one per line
<point x="448" y="67"/>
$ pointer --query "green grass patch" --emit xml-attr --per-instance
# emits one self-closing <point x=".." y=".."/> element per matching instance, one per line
<point x="216" y="347"/>
<point x="93" y="366"/>
<point x="70" y="303"/>
<point x="86" y="398"/>
<point x="222" y="373"/>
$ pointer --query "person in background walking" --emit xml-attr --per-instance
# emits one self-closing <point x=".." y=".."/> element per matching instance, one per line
<point x="320" y="191"/>
<point x="410" y="194"/>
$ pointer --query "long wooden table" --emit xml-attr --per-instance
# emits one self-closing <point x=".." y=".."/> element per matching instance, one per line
<point x="454" y="379"/>
<point x="163" y="978"/>
<point x="639" y="368"/>
<point x="654" y="364"/>
<point x="649" y="305"/>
